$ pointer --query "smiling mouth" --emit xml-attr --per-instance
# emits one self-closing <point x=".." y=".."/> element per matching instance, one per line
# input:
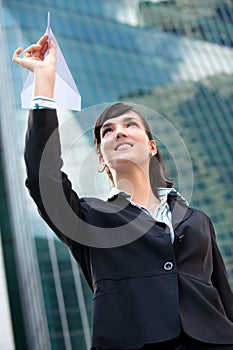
<point x="123" y="146"/>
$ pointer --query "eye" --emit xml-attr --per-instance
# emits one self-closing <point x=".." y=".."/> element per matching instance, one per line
<point x="132" y="123"/>
<point x="106" y="131"/>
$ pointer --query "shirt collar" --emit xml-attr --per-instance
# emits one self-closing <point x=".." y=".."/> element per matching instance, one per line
<point x="161" y="191"/>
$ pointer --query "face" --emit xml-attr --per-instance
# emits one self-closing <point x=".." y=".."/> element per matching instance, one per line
<point x="125" y="144"/>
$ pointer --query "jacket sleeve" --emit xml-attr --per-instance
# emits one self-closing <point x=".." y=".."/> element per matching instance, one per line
<point x="219" y="277"/>
<point x="49" y="187"/>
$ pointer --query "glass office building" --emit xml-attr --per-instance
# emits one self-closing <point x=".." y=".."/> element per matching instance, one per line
<point x="174" y="57"/>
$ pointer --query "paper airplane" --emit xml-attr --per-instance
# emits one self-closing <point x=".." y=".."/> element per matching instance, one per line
<point x="66" y="93"/>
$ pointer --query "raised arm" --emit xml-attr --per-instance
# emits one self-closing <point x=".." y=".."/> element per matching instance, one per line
<point x="49" y="187"/>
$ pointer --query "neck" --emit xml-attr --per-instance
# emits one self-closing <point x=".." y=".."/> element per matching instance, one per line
<point x="138" y="186"/>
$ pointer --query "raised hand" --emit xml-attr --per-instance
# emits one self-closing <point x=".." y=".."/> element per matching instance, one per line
<point x="34" y="55"/>
<point x="44" y="67"/>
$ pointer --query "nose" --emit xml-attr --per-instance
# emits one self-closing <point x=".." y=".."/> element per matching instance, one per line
<point x="120" y="131"/>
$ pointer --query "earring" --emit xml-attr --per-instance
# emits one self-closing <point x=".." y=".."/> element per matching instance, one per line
<point x="153" y="154"/>
<point x="101" y="168"/>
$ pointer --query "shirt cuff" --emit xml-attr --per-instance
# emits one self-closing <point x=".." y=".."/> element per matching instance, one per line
<point x="42" y="102"/>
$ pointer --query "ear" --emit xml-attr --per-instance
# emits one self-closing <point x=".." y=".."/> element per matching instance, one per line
<point x="153" y="147"/>
<point x="101" y="159"/>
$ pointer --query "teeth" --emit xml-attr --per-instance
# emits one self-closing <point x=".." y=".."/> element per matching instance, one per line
<point x="123" y="146"/>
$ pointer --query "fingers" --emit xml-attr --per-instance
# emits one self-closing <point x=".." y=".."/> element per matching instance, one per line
<point x="41" y="45"/>
<point x="52" y="46"/>
<point x="43" y="40"/>
<point x="32" y="50"/>
<point x="44" y="48"/>
<point x="16" y="54"/>
<point x="36" y="52"/>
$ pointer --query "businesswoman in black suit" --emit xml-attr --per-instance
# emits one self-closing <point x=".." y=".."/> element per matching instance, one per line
<point x="152" y="262"/>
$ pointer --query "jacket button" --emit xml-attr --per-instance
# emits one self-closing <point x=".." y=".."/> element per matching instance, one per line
<point x="168" y="266"/>
<point x="180" y="238"/>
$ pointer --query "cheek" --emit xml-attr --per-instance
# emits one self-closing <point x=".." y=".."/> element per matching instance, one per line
<point x="142" y="141"/>
<point x="139" y="135"/>
<point x="104" y="149"/>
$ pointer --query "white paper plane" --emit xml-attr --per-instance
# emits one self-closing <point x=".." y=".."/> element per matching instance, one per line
<point x="66" y="93"/>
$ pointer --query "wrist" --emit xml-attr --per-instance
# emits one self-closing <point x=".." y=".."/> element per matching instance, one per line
<point x="44" y="84"/>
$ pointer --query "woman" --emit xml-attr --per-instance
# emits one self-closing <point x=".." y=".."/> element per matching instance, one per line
<point x="159" y="282"/>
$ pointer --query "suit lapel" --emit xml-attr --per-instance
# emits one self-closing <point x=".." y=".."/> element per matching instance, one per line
<point x="178" y="206"/>
<point x="179" y="209"/>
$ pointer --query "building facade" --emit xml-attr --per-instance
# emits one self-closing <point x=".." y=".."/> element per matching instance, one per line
<point x="164" y="56"/>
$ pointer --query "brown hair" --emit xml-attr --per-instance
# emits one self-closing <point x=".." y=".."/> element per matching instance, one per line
<point x="158" y="176"/>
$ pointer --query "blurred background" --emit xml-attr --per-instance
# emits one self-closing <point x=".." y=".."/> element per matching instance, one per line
<point x="175" y="57"/>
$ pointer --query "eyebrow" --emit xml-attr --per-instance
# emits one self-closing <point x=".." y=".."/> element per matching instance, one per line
<point x="126" y="119"/>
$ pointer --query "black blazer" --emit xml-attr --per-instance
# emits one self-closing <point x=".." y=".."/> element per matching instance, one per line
<point x="147" y="289"/>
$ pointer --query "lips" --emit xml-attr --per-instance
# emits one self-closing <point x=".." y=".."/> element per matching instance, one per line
<point x="123" y="146"/>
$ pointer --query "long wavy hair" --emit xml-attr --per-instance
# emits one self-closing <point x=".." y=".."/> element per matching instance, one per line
<point x="157" y="171"/>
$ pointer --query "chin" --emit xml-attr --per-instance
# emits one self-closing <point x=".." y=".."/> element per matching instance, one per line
<point x="122" y="164"/>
